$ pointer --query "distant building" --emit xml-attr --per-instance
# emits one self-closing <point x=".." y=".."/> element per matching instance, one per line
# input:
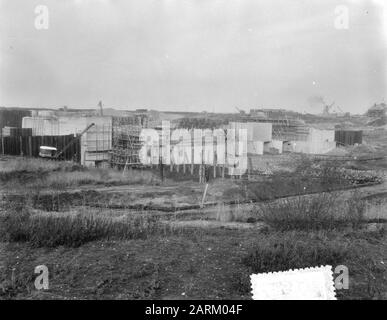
<point x="96" y="143"/>
<point x="273" y="113"/>
<point x="348" y="137"/>
<point x="12" y="117"/>
<point x="377" y="110"/>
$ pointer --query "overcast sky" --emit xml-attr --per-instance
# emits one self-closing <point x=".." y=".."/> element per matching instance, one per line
<point x="193" y="55"/>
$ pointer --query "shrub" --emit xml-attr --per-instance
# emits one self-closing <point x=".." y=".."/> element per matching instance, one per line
<point x="99" y="176"/>
<point x="55" y="230"/>
<point x="292" y="250"/>
<point x="233" y="213"/>
<point x="324" y="211"/>
<point x="23" y="173"/>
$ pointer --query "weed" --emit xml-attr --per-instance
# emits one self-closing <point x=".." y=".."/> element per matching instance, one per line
<point x="291" y="250"/>
<point x="324" y="211"/>
<point x="55" y="230"/>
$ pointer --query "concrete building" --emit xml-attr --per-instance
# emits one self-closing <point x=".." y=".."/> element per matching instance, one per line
<point x="274" y="146"/>
<point x="257" y="134"/>
<point x="317" y="142"/>
<point x="95" y="143"/>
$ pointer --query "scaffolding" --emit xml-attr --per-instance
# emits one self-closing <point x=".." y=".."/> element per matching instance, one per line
<point x="126" y="142"/>
<point x="283" y="128"/>
<point x="289" y="130"/>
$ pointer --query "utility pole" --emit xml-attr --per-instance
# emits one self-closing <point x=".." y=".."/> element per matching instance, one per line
<point x="100" y="108"/>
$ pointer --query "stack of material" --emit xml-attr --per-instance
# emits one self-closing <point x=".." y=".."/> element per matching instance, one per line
<point x="348" y="137"/>
<point x="16" y="132"/>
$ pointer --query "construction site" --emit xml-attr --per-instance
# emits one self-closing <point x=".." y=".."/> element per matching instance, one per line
<point x="79" y="181"/>
<point x="205" y="151"/>
<point x="114" y="141"/>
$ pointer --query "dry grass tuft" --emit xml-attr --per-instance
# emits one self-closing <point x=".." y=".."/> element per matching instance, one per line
<point x="52" y="230"/>
<point x="324" y="211"/>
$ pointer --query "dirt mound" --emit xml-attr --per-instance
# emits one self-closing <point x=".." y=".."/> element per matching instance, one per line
<point x="353" y="151"/>
<point x="378" y="122"/>
<point x="361" y="149"/>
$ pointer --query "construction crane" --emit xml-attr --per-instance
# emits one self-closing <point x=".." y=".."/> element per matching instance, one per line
<point x="242" y="112"/>
<point x="341" y="110"/>
<point x="59" y="153"/>
<point x="328" y="108"/>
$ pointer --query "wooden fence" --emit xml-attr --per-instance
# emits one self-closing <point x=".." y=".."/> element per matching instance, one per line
<point x="29" y="146"/>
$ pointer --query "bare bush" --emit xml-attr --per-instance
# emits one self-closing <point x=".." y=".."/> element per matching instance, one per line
<point x="237" y="213"/>
<point x="291" y="250"/>
<point x="59" y="175"/>
<point x="325" y="211"/>
<point x="70" y="230"/>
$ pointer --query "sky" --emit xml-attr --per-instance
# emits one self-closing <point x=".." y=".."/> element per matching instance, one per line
<point x="194" y="55"/>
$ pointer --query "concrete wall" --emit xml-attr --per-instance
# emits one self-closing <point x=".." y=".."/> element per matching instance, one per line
<point x="62" y="125"/>
<point x="91" y="159"/>
<point x="256" y="131"/>
<point x="278" y="144"/>
<point x="255" y="147"/>
<point x="318" y="142"/>
<point x="41" y="126"/>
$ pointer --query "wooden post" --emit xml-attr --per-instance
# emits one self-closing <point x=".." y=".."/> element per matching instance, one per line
<point x="126" y="163"/>
<point x="204" y="196"/>
<point x="21" y="145"/>
<point x="161" y="169"/>
<point x="2" y="144"/>
<point x="249" y="168"/>
<point x="214" y="167"/>
<point x="202" y="179"/>
<point x="30" y="146"/>
<point x="192" y="157"/>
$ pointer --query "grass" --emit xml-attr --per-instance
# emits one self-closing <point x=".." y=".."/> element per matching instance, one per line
<point x="326" y="211"/>
<point x="235" y="213"/>
<point x="98" y="176"/>
<point x="51" y="230"/>
<point x="293" y="250"/>
<point x="213" y="265"/>
<point x="29" y="173"/>
<point x="308" y="177"/>
<point x="281" y="251"/>
<point x="36" y="164"/>
<point x="130" y="255"/>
